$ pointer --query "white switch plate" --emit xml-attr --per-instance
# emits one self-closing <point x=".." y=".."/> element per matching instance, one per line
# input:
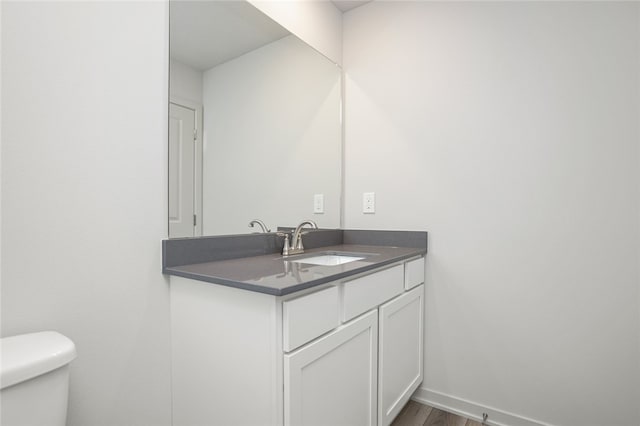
<point x="318" y="203"/>
<point x="368" y="202"/>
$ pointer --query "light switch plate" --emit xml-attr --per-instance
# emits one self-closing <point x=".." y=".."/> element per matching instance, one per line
<point x="368" y="202"/>
<point x="318" y="203"/>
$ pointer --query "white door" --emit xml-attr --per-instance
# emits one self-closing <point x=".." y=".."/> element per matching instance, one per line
<point x="400" y="371"/>
<point x="333" y="380"/>
<point x="182" y="134"/>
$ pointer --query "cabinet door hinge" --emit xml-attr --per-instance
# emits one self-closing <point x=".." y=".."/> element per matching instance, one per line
<point x="194" y="220"/>
<point x="195" y="135"/>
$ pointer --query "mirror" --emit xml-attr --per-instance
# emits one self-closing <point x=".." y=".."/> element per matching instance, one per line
<point x="255" y="129"/>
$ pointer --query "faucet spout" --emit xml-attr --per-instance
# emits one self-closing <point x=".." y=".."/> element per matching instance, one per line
<point x="296" y="240"/>
<point x="260" y="224"/>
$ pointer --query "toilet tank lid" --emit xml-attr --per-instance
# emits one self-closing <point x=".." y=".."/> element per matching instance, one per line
<point x="26" y="356"/>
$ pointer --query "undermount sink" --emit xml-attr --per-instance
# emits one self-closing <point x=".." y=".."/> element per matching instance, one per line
<point x="328" y="258"/>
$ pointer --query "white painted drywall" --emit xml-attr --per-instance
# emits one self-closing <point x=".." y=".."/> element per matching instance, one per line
<point x="272" y="139"/>
<point x="185" y="83"/>
<point x="84" y="172"/>
<point x="510" y="132"/>
<point x="1" y="174"/>
<point x="318" y="23"/>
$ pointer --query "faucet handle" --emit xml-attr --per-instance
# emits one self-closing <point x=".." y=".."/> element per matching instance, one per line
<point x="286" y="247"/>
<point x="298" y="243"/>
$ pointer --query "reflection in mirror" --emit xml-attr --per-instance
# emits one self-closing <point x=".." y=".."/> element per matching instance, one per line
<point x="255" y="123"/>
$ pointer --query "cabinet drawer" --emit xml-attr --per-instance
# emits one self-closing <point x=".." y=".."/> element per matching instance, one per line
<point x="362" y="294"/>
<point x="308" y="317"/>
<point x="414" y="273"/>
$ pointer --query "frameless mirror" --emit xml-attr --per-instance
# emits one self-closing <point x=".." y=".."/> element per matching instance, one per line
<point x="255" y="129"/>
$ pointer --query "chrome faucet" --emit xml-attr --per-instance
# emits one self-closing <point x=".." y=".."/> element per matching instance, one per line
<point x="296" y="240"/>
<point x="259" y="223"/>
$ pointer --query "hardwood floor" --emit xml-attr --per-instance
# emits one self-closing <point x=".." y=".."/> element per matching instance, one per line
<point x="416" y="414"/>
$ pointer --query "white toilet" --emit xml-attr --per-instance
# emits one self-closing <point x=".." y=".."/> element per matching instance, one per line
<point x="34" y="379"/>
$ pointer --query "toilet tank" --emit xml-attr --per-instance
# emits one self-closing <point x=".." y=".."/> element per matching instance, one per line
<point x="34" y="379"/>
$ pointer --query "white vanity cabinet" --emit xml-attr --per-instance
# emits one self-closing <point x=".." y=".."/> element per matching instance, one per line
<point x="344" y="353"/>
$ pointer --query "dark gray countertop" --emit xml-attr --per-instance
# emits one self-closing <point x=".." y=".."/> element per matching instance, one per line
<point x="273" y="274"/>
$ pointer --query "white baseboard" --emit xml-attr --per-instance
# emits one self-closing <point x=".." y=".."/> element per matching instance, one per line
<point x="472" y="410"/>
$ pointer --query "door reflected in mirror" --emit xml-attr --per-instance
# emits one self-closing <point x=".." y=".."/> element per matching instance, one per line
<point x="255" y="129"/>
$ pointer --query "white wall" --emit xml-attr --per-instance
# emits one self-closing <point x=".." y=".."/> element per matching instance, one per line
<point x="84" y="137"/>
<point x="272" y="139"/>
<point x="1" y="164"/>
<point x="514" y="127"/>
<point x="510" y="132"/>
<point x="318" y="23"/>
<point x="185" y="82"/>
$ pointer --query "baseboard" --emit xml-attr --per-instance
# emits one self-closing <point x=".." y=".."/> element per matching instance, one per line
<point x="472" y="410"/>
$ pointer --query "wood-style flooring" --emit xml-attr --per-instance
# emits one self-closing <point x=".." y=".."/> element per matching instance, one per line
<point x="416" y="414"/>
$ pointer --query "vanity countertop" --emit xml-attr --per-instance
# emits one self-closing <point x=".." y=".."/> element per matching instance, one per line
<point x="277" y="275"/>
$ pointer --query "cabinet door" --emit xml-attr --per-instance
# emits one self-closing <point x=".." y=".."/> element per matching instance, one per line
<point x="400" y="373"/>
<point x="333" y="380"/>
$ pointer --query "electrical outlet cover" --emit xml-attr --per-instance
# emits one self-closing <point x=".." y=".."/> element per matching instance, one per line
<point x="318" y="203"/>
<point x="369" y="202"/>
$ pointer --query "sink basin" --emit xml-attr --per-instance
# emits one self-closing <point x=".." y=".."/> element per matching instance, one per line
<point x="328" y="259"/>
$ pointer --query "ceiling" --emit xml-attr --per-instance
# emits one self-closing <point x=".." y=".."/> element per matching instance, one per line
<point x="207" y="33"/>
<point x="345" y="5"/>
